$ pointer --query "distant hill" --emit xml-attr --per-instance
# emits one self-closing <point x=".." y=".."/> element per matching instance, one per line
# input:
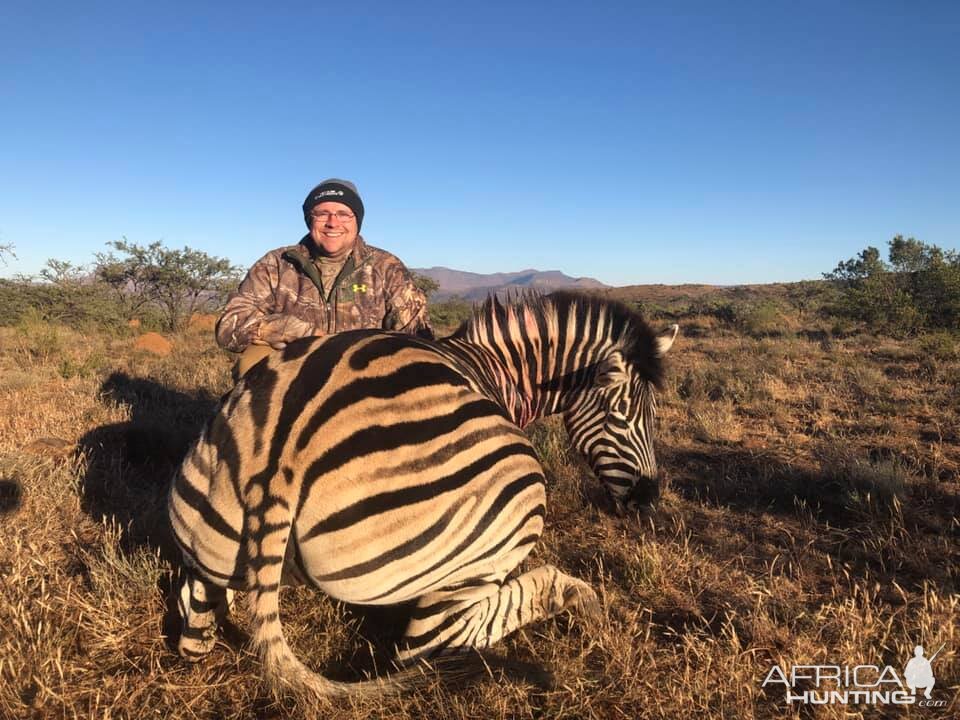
<point x="693" y="291"/>
<point x="476" y="286"/>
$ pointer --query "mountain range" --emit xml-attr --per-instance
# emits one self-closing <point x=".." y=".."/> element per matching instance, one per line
<point x="476" y="286"/>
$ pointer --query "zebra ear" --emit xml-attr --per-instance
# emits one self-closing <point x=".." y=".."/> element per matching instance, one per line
<point x="665" y="340"/>
<point x="612" y="370"/>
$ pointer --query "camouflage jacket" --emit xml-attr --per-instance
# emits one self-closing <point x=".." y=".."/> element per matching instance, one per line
<point x="373" y="290"/>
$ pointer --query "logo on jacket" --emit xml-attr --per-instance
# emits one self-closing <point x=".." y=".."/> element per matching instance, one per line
<point x="359" y="287"/>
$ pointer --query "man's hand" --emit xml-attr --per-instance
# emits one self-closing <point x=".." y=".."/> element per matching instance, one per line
<point x="277" y="330"/>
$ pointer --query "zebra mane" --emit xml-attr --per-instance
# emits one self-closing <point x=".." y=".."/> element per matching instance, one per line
<point x="627" y="328"/>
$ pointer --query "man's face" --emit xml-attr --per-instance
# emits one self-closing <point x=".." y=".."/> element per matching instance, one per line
<point x="333" y="226"/>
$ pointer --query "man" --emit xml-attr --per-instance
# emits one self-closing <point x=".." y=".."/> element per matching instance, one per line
<point x="331" y="281"/>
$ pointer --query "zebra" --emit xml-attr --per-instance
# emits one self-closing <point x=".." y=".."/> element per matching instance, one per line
<point x="384" y="468"/>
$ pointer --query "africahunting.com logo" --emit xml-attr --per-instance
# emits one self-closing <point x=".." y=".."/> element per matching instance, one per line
<point x="860" y="684"/>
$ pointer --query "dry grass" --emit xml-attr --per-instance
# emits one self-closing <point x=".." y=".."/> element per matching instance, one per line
<point x="810" y="515"/>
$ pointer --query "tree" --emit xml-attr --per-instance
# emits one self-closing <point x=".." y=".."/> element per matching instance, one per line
<point x="426" y="283"/>
<point x="7" y="249"/>
<point x="803" y="294"/>
<point x="910" y="255"/>
<point x="857" y="269"/>
<point x="125" y="277"/>
<point x="920" y="287"/>
<point x="62" y="273"/>
<point x="177" y="282"/>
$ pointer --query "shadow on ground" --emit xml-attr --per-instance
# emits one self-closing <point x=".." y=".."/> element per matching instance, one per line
<point x="872" y="519"/>
<point x="839" y="493"/>
<point x="129" y="465"/>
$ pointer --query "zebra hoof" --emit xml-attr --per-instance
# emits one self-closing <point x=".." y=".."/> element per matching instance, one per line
<point x="584" y="601"/>
<point x="193" y="647"/>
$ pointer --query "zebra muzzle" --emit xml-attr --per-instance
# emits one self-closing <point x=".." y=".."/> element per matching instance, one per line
<point x="643" y="494"/>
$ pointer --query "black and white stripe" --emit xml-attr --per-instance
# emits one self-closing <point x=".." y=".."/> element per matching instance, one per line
<point x="384" y="468"/>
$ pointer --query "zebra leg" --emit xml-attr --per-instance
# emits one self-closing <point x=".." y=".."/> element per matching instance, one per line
<point x="448" y="621"/>
<point x="202" y="607"/>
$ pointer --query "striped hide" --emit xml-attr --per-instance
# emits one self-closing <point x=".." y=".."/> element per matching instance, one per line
<point x="382" y="468"/>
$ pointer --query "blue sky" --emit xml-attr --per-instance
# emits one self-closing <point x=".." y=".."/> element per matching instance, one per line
<point x="635" y="143"/>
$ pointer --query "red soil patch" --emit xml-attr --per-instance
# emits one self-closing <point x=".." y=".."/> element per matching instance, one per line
<point x="154" y="343"/>
<point x="202" y="322"/>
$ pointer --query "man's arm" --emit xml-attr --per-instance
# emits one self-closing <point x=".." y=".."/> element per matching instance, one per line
<point x="406" y="303"/>
<point x="250" y="317"/>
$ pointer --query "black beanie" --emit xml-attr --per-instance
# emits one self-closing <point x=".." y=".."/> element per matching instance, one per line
<point x="334" y="190"/>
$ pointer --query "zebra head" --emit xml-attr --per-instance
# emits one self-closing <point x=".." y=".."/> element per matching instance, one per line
<point x="613" y="423"/>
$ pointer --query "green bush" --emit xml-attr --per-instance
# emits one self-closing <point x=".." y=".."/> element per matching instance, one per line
<point x="80" y="306"/>
<point x="936" y="292"/>
<point x="450" y="313"/>
<point x="725" y="312"/>
<point x="653" y="312"/>
<point x="808" y="296"/>
<point x="940" y="346"/>
<point x="89" y="366"/>
<point x="879" y="302"/>
<point x="37" y="339"/>
<point x="755" y="318"/>
<point x="698" y="308"/>
<point x="761" y="319"/>
<point x="918" y="288"/>
<point x="159" y="286"/>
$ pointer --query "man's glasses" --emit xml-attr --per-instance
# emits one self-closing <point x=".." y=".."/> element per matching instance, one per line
<point x="324" y="216"/>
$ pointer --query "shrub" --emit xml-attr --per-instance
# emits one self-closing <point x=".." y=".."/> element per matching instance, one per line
<point x="725" y="313"/>
<point x="757" y="318"/>
<point x="38" y="341"/>
<point x="654" y="311"/>
<point x="79" y="306"/>
<point x="175" y="283"/>
<point x="940" y="346"/>
<point x="808" y="295"/>
<point x="761" y="319"/>
<point x="425" y="283"/>
<point x="88" y="366"/>
<point x="450" y="313"/>
<point x="918" y="288"/>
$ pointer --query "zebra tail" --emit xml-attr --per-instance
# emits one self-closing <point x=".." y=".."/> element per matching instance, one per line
<point x="268" y="533"/>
